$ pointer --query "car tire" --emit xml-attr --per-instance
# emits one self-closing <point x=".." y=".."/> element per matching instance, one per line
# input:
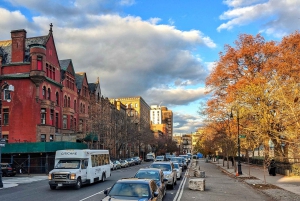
<point x="52" y="187"/>
<point x="78" y="184"/>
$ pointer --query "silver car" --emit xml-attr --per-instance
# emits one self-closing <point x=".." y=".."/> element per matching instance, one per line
<point x="169" y="172"/>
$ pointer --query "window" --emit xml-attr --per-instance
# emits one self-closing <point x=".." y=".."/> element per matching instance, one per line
<point x="56" y="122"/>
<point x="75" y="124"/>
<point x="68" y="101"/>
<point x="136" y="105"/>
<point x="51" y="138"/>
<point x="53" y="73"/>
<point x="52" y="116"/>
<point x="71" y="123"/>
<point x="44" y="92"/>
<point x="80" y="125"/>
<point x="57" y="98"/>
<point x="5" y="116"/>
<point x="5" y="137"/>
<point x="7" y="96"/>
<point x="65" y="101"/>
<point x="65" y="121"/>
<point x="43" y="137"/>
<point x="39" y="63"/>
<point x="43" y="116"/>
<point x="49" y="94"/>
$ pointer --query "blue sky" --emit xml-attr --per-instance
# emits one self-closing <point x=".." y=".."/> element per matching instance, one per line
<point x="161" y="50"/>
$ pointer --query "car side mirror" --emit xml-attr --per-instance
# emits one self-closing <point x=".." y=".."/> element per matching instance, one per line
<point x="155" y="194"/>
<point x="105" y="191"/>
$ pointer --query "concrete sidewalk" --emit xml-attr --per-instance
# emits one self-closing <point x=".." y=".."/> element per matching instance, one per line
<point x="223" y="184"/>
<point x="289" y="183"/>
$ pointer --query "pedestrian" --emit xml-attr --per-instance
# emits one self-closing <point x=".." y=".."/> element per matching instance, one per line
<point x="272" y="168"/>
<point x="232" y="161"/>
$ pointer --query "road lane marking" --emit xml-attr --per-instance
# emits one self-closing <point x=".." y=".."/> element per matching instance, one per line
<point x="91" y="195"/>
<point x="180" y="189"/>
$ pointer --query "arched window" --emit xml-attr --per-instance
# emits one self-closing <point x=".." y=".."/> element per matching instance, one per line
<point x="49" y="94"/>
<point x="44" y="92"/>
<point x="65" y="101"/>
<point x="57" y="98"/>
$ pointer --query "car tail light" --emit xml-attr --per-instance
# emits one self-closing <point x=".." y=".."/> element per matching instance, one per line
<point x="9" y="168"/>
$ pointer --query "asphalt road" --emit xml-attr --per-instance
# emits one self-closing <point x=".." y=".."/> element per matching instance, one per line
<point x="40" y="190"/>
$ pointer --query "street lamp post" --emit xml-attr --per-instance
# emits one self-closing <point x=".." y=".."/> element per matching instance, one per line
<point x="2" y="141"/>
<point x="239" y="145"/>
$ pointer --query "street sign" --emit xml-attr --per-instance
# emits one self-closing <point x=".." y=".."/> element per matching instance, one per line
<point x="2" y="142"/>
<point x="242" y="136"/>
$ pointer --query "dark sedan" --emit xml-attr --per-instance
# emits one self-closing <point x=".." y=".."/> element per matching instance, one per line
<point x="153" y="173"/>
<point x="133" y="189"/>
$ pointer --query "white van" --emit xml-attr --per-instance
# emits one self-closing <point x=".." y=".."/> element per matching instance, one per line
<point x="77" y="167"/>
<point x="150" y="157"/>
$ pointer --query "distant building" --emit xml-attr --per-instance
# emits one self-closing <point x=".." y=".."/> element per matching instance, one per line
<point x="167" y="119"/>
<point x="155" y="114"/>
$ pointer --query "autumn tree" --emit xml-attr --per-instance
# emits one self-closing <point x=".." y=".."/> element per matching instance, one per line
<point x="259" y="79"/>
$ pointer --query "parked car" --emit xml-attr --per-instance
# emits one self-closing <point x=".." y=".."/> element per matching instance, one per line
<point x="137" y="160"/>
<point x="112" y="167"/>
<point x="169" y="171"/>
<point x="130" y="161"/>
<point x="153" y="173"/>
<point x="181" y="161"/>
<point x="186" y="158"/>
<point x="124" y="163"/>
<point x="178" y="170"/>
<point x="160" y="158"/>
<point x="134" y="189"/>
<point x="117" y="164"/>
<point x="8" y="170"/>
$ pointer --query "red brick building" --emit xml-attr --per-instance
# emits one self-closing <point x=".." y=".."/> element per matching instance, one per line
<point x="50" y="102"/>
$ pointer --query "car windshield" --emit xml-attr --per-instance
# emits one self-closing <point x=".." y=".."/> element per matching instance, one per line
<point x="147" y="175"/>
<point x="68" y="164"/>
<point x="130" y="190"/>
<point x="163" y="167"/>
<point x="176" y="159"/>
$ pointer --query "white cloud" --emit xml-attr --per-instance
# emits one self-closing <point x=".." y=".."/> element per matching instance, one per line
<point x="132" y="57"/>
<point x="184" y="123"/>
<point x="276" y="17"/>
<point x="12" y="21"/>
<point x="177" y="96"/>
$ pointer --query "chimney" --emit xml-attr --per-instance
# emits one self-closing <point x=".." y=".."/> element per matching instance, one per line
<point x="18" y="45"/>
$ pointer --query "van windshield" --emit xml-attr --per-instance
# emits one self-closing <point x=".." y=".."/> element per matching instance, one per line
<point x="68" y="164"/>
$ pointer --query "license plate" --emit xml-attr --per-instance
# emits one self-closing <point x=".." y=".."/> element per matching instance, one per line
<point x="59" y="185"/>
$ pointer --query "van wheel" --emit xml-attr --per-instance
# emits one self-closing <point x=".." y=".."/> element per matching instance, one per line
<point x="52" y="187"/>
<point x="78" y="184"/>
<point x="103" y="177"/>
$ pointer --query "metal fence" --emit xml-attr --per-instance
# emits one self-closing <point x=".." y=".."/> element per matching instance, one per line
<point x="32" y="164"/>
